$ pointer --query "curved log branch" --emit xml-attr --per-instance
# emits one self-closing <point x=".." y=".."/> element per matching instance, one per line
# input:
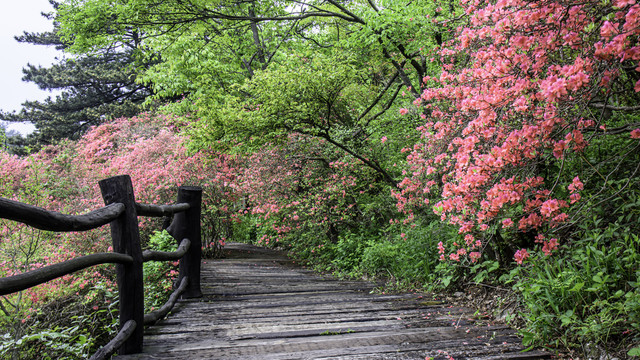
<point x="29" y="279"/>
<point x="160" y="210"/>
<point x="54" y="221"/>
<point x="117" y="341"/>
<point x="152" y="317"/>
<point x="150" y="255"/>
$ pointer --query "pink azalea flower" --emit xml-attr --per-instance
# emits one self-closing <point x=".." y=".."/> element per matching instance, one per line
<point x="521" y="255"/>
<point x="549" y="246"/>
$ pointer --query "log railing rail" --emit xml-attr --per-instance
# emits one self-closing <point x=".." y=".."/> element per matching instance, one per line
<point x="121" y="212"/>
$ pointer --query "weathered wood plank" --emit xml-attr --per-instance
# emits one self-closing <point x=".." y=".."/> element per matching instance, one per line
<point x="257" y="305"/>
<point x="152" y="255"/>
<point x="186" y="225"/>
<point x="160" y="210"/>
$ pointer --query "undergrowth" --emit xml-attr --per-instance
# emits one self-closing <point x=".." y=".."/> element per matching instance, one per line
<point x="77" y="325"/>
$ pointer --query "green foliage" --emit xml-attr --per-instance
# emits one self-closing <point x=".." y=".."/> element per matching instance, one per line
<point x="93" y="88"/>
<point x="158" y="275"/>
<point x="588" y="293"/>
<point x="409" y="257"/>
<point x="346" y="255"/>
<point x="3" y="138"/>
<point x="308" y="96"/>
<point x="405" y="256"/>
<point x="69" y="343"/>
<point x="65" y="328"/>
<point x="320" y="68"/>
<point x="484" y="270"/>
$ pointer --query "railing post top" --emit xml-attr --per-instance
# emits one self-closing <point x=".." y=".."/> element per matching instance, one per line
<point x="190" y="188"/>
<point x="124" y="177"/>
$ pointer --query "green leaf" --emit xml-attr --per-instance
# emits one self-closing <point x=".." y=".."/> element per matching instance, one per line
<point x="493" y="266"/>
<point x="577" y="286"/>
<point x="527" y="338"/>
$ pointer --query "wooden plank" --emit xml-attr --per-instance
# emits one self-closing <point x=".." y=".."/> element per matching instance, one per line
<point x="258" y="305"/>
<point x="186" y="225"/>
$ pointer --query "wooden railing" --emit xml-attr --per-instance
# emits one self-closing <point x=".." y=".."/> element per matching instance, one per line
<point x="122" y="212"/>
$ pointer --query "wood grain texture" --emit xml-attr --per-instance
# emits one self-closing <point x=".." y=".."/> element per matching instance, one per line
<point x="125" y="237"/>
<point x="152" y="255"/>
<point x="113" y="345"/>
<point x="54" y="221"/>
<point x="154" y="316"/>
<point x="186" y="225"/>
<point x="160" y="210"/>
<point x="32" y="278"/>
<point x="257" y="304"/>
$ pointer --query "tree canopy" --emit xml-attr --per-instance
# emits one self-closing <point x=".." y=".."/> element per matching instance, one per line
<point x="286" y="64"/>
<point x="94" y="87"/>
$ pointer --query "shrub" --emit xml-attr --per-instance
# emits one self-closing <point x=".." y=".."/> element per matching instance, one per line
<point x="159" y="275"/>
<point x="588" y="293"/>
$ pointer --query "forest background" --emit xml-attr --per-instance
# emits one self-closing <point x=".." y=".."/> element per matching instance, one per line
<point x="433" y="145"/>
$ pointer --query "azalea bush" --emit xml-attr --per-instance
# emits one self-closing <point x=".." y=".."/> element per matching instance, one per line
<point x="65" y="178"/>
<point x="526" y="89"/>
<point x="532" y="130"/>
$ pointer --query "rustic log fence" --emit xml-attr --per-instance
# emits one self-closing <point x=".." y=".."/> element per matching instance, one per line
<point x="122" y="212"/>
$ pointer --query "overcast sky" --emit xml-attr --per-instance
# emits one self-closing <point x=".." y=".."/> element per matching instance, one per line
<point x="15" y="17"/>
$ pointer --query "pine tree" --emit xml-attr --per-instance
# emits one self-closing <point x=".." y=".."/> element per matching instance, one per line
<point x="93" y="88"/>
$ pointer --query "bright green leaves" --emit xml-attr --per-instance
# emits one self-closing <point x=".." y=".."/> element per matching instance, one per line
<point x="308" y="96"/>
<point x="314" y="96"/>
<point x="90" y="25"/>
<point x="3" y="137"/>
<point x="407" y="25"/>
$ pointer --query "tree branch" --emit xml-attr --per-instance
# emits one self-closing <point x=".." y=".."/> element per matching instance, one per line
<point x="614" y="108"/>
<point x="389" y="103"/>
<point x="615" y="131"/>
<point x="400" y="68"/>
<point x="379" y="97"/>
<point x="372" y="164"/>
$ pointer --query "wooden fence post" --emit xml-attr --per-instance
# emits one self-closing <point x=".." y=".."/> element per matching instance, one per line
<point x="186" y="224"/>
<point x="126" y="240"/>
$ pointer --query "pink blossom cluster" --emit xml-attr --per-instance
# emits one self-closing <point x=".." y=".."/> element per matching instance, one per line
<point x="520" y="97"/>
<point x="150" y="148"/>
<point x="298" y="184"/>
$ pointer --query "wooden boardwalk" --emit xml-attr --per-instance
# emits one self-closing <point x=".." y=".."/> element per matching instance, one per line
<point x="258" y="305"/>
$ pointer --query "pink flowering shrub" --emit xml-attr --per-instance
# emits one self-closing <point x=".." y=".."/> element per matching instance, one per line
<point x="151" y="149"/>
<point x="525" y="90"/>
<point x="311" y="189"/>
<point x="65" y="178"/>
